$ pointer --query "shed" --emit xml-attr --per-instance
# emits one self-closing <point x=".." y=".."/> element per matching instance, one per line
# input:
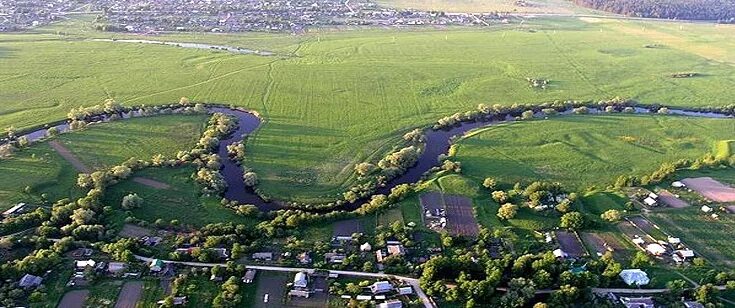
<point x="366" y="247"/>
<point x="634" y="277"/>
<point x="649" y="201"/>
<point x="85" y="263"/>
<point x="156" y="265"/>
<point x="405" y="290"/>
<point x="706" y="209"/>
<point x="655" y="249"/>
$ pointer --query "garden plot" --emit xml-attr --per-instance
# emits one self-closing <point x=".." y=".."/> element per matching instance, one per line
<point x="460" y="216"/>
<point x="74" y="299"/>
<point x="600" y="243"/>
<point x="450" y="212"/>
<point x="711" y="189"/>
<point x="570" y="244"/>
<point x="672" y="201"/>
<point x="129" y="295"/>
<point x="648" y="227"/>
<point x="345" y="228"/>
<point x="271" y="289"/>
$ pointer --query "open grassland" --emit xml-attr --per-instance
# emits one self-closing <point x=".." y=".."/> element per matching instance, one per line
<point x="332" y="99"/>
<point x="181" y="201"/>
<point x="710" y="237"/>
<point x="111" y="143"/>
<point x="585" y="151"/>
<point x="463" y="6"/>
<point x="35" y="171"/>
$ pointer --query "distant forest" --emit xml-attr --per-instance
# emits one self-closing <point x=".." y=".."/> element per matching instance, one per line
<point x="721" y="10"/>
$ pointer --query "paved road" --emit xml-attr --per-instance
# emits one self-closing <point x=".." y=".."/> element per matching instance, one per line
<point x="412" y="281"/>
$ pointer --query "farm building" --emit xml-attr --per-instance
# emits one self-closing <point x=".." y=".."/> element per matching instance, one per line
<point x="649" y="201"/>
<point x="637" y="302"/>
<point x="405" y="290"/>
<point x="15" y="210"/>
<point x="263" y="256"/>
<point x="116" y="267"/>
<point x="85" y="263"/>
<point x="381" y="287"/>
<point x="682" y="255"/>
<point x="634" y="277"/>
<point x="706" y="209"/>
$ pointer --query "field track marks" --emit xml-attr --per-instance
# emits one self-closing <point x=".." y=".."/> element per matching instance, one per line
<point x="576" y="67"/>
<point x="69" y="156"/>
<point x="268" y="89"/>
<point x="201" y="82"/>
<point x="81" y="167"/>
<point x="151" y="183"/>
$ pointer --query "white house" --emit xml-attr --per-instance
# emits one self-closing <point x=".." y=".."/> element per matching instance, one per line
<point x="706" y="209"/>
<point x="655" y="249"/>
<point x="366" y="247"/>
<point x="300" y="280"/>
<point x="634" y="277"/>
<point x="381" y="287"/>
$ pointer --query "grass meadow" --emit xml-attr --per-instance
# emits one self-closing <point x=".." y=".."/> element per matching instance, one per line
<point x="109" y="144"/>
<point x="586" y="151"/>
<point x="335" y="98"/>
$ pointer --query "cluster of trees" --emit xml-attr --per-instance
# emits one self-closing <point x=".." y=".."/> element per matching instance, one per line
<point x="238" y="238"/>
<point x="236" y="150"/>
<point x="208" y="175"/>
<point x="229" y="294"/>
<point x="538" y="196"/>
<point x="511" y="281"/>
<point x="485" y="112"/>
<point x="720" y="10"/>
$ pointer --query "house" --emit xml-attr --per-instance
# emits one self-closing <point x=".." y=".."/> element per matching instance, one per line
<point x="637" y="302"/>
<point x="29" y="281"/>
<point x="653" y="196"/>
<point x="559" y="253"/>
<point x="221" y="252"/>
<point x="156" y="265"/>
<point x="249" y="276"/>
<point x="638" y="241"/>
<point x="634" y="277"/>
<point x="405" y="290"/>
<point x="692" y="304"/>
<point x="300" y="280"/>
<point x="299" y="293"/>
<point x="396" y="250"/>
<point x="82" y="253"/>
<point x="674" y="240"/>
<point x="178" y="300"/>
<point x="304" y="258"/>
<point x="655" y="249"/>
<point x="682" y="255"/>
<point x="366" y="247"/>
<point x="15" y="210"/>
<point x="381" y="287"/>
<point x="678" y="184"/>
<point x="333" y="257"/>
<point x="706" y="209"/>
<point x="649" y="201"/>
<point x="364" y="297"/>
<point x="263" y="256"/>
<point x="151" y="240"/>
<point x="116" y="267"/>
<point x="82" y="264"/>
<point x="390" y="304"/>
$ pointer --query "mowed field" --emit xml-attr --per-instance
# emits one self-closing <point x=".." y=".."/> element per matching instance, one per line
<point x="585" y="151"/>
<point x="335" y="98"/>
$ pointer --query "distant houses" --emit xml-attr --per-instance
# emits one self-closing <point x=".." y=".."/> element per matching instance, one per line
<point x="30" y="281"/>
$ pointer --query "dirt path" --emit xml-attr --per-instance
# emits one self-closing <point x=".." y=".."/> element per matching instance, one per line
<point x="151" y="183"/>
<point x="129" y="295"/>
<point x="81" y="167"/>
<point x="69" y="156"/>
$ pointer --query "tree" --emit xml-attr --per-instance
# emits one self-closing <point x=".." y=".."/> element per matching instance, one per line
<point x="489" y="183"/>
<point x="499" y="196"/>
<point x="640" y="259"/>
<point x="611" y="215"/>
<point x="364" y="169"/>
<point x="572" y="221"/>
<point x="507" y="211"/>
<point x="706" y="294"/>
<point x="131" y="201"/>
<point x="23" y="142"/>
<point x="250" y="179"/>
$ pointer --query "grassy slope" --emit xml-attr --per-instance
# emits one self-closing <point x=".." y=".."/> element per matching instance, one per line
<point x="347" y="93"/>
<point x="585" y="151"/>
<point x="182" y="201"/>
<point x="142" y="138"/>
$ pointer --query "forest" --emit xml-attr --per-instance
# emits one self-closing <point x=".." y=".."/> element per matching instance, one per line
<point x="719" y="10"/>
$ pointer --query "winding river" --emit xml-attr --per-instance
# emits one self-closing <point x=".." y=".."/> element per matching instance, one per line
<point x="437" y="142"/>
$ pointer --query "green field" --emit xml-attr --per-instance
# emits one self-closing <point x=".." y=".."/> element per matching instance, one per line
<point x="111" y="143"/>
<point x="39" y="169"/>
<point x="181" y="201"/>
<point x="42" y="170"/>
<point x="335" y="98"/>
<point x="585" y="151"/>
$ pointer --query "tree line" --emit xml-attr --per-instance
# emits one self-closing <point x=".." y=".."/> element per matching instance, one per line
<point x="719" y="10"/>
